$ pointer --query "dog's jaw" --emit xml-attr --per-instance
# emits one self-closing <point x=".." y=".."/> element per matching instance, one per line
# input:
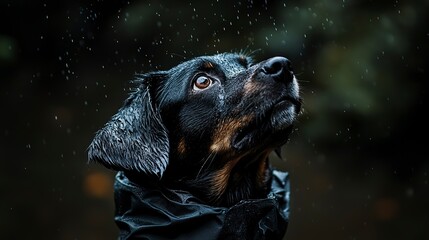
<point x="272" y="126"/>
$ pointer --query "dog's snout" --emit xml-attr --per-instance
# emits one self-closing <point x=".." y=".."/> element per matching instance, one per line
<point x="279" y="68"/>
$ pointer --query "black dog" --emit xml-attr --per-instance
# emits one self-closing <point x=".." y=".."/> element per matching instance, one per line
<point x="205" y="127"/>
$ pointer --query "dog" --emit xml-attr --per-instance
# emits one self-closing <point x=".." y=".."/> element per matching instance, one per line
<point x="205" y="126"/>
<point x="191" y="145"/>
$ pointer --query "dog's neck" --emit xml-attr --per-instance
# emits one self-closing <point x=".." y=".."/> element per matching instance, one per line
<point x="248" y="177"/>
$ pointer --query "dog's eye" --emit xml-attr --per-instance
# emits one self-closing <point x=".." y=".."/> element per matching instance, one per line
<point x="202" y="83"/>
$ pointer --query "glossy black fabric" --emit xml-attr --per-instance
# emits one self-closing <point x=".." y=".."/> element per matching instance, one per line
<point x="145" y="211"/>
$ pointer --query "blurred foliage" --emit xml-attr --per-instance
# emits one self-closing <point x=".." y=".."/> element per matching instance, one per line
<point x="358" y="158"/>
<point x="6" y="49"/>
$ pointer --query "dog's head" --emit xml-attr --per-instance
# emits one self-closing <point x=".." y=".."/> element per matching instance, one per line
<point x="206" y="125"/>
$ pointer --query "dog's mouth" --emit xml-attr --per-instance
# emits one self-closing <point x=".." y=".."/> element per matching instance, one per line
<point x="271" y="127"/>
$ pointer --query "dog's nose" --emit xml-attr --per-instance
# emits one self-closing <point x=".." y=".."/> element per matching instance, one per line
<point x="279" y="68"/>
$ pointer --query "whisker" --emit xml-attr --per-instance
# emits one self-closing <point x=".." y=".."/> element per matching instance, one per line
<point x="209" y="157"/>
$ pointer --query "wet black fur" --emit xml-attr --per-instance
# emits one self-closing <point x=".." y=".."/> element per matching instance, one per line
<point x="143" y="137"/>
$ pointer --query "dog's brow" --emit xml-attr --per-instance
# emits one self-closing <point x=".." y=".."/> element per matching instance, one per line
<point x="208" y="65"/>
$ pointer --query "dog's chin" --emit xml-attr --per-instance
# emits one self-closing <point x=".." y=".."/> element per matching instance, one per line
<point x="271" y="130"/>
<point x="283" y="115"/>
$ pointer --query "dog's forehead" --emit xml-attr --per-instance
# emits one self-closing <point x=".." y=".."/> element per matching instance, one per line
<point x="229" y="63"/>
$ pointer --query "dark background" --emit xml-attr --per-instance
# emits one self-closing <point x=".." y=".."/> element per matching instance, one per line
<point x="358" y="157"/>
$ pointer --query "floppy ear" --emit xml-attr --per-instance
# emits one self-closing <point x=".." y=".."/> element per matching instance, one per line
<point x="135" y="139"/>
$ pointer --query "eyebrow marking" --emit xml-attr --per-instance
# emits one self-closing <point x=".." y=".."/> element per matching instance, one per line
<point x="208" y="65"/>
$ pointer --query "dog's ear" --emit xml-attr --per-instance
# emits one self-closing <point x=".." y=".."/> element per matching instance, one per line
<point x="135" y="139"/>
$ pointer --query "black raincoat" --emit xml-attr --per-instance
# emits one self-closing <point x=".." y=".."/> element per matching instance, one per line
<point x="145" y="211"/>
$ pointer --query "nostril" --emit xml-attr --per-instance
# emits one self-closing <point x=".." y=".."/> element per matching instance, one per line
<point x="278" y="67"/>
<point x="273" y="67"/>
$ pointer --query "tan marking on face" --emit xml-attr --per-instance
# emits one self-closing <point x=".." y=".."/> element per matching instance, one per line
<point x="251" y="87"/>
<point x="181" y="147"/>
<point x="225" y="131"/>
<point x="208" y="65"/>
